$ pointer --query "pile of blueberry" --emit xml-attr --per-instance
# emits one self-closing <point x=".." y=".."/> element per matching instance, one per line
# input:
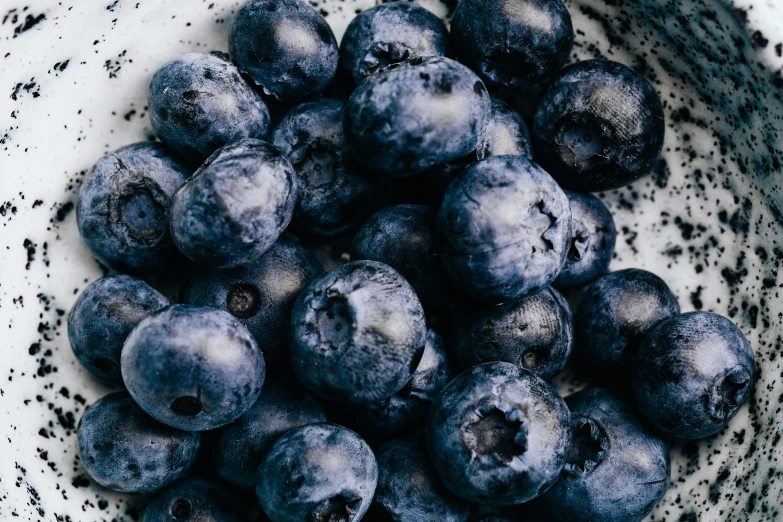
<point x="301" y="148"/>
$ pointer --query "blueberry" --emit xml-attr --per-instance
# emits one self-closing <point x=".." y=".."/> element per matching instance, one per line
<point x="192" y="368"/>
<point x="535" y="333"/>
<point x="415" y="115"/>
<point x="615" y="314"/>
<point x="617" y="469"/>
<point x="692" y="374"/>
<point x="408" y="488"/>
<point x="318" y="473"/>
<point x="335" y="195"/>
<point x="239" y="447"/>
<point x="358" y="332"/>
<point x="194" y="500"/>
<point x="285" y="46"/>
<point x="403" y="237"/>
<point x="260" y="294"/>
<point x="199" y="102"/>
<point x="503" y="229"/>
<point x="124" y="449"/>
<point x="391" y="33"/>
<point x="512" y="43"/>
<point x="123" y="208"/>
<point x="235" y="206"/>
<point x="102" y="318"/>
<point x="599" y="125"/>
<point x="592" y="244"/>
<point x="498" y="434"/>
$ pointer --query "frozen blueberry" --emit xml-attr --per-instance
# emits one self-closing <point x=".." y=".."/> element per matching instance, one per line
<point x="498" y="434"/>
<point x="512" y="43"/>
<point x="192" y="368"/>
<point x="403" y="237"/>
<point x="504" y="227"/>
<point x="617" y="469"/>
<point x="123" y="208"/>
<point x="199" y="102"/>
<point x="235" y="206"/>
<point x="285" y="46"/>
<point x="358" y="333"/>
<point x="415" y="115"/>
<point x="319" y="472"/>
<point x="335" y="195"/>
<point x="592" y="244"/>
<point x="194" y="500"/>
<point x="692" y="374"/>
<point x="102" y="318"/>
<point x="408" y="488"/>
<point x="124" y="449"/>
<point x="599" y="125"/>
<point x="535" y="333"/>
<point x="239" y="447"/>
<point x="615" y="314"/>
<point x="260" y="294"/>
<point x="391" y="33"/>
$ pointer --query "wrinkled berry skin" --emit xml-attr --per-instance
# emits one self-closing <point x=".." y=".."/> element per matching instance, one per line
<point x="498" y="435"/>
<point x="692" y="374"/>
<point x="259" y="294"/>
<point x="124" y="449"/>
<point x="195" y="500"/>
<point x="403" y="237"/>
<point x="285" y="46"/>
<point x="504" y="227"/>
<point x="239" y="447"/>
<point x="335" y="194"/>
<point x="592" y="244"/>
<point x="199" y="102"/>
<point x="192" y="368"/>
<point x="616" y="313"/>
<point x="102" y="318"/>
<point x="317" y="472"/>
<point x="617" y="468"/>
<point x="598" y="126"/>
<point x="415" y="115"/>
<point x="409" y="489"/>
<point x="235" y="206"/>
<point x="362" y="326"/>
<point x="391" y="33"/>
<point x="512" y="43"/>
<point x="123" y="208"/>
<point x="535" y="333"/>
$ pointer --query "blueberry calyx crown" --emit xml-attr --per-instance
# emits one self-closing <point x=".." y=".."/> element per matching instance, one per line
<point x="727" y="394"/>
<point x="383" y="55"/>
<point x="339" y="508"/>
<point x="180" y="509"/>
<point x="588" y="448"/>
<point x="243" y="300"/>
<point x="496" y="431"/>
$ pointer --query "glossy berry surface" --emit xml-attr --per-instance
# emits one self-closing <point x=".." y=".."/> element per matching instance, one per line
<point x="320" y="472"/>
<point x="193" y="368"/>
<point x="615" y="314"/>
<point x="285" y="46"/>
<point x="535" y="333"/>
<point x="235" y="206"/>
<point x="617" y="468"/>
<point x="260" y="294"/>
<point x="599" y="125"/>
<point x="391" y="33"/>
<point x="512" y="43"/>
<point x="124" y="206"/>
<point x="415" y="115"/>
<point x="195" y="500"/>
<point x="102" y="318"/>
<point x="504" y="227"/>
<point x="199" y="102"/>
<point x="363" y="327"/>
<point x="498" y="435"/>
<point x="124" y="449"/>
<point x="692" y="374"/>
<point x="592" y="243"/>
